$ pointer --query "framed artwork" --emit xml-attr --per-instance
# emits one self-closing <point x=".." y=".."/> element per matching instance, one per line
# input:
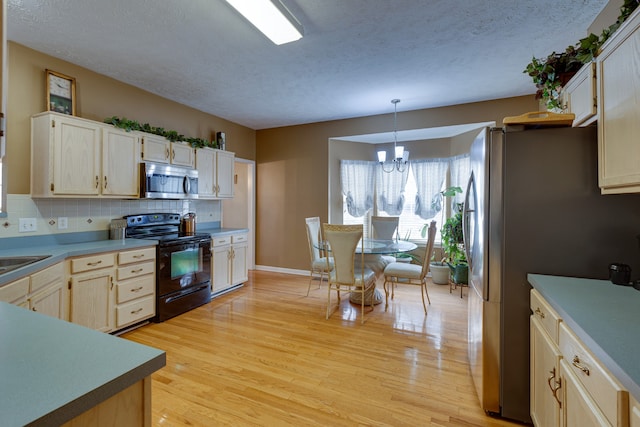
<point x="61" y="93"/>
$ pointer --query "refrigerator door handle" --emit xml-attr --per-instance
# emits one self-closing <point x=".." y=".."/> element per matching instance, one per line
<point x="466" y="213"/>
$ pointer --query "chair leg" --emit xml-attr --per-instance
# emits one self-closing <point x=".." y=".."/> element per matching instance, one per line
<point x="386" y="293"/>
<point x="426" y="291"/>
<point x="363" y="287"/>
<point x="328" y="300"/>
<point x="422" y="291"/>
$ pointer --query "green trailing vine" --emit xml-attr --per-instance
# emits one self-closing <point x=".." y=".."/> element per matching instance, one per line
<point x="551" y="73"/>
<point x="171" y="135"/>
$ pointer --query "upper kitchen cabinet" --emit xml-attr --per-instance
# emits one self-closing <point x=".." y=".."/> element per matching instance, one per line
<point x="618" y="68"/>
<point x="160" y="150"/>
<point x="75" y="157"/>
<point x="215" y="173"/>
<point x="579" y="96"/>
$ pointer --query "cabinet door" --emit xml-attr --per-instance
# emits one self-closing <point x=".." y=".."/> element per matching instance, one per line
<point x="91" y="301"/>
<point x="545" y="374"/>
<point x="579" y="409"/>
<point x="205" y="164"/>
<point x="50" y="301"/>
<point x="182" y="154"/>
<point x="155" y="149"/>
<point x="120" y="158"/>
<point x="15" y="292"/>
<point x="76" y="157"/>
<point x="580" y="95"/>
<point x="239" y="271"/>
<point x="224" y="173"/>
<point x="221" y="272"/>
<point x="619" y="110"/>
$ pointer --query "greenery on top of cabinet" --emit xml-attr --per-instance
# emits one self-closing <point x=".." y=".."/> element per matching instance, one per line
<point x="171" y="135"/>
<point x="552" y="72"/>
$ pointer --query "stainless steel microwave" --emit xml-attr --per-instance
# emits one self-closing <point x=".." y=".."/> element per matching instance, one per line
<point x="158" y="181"/>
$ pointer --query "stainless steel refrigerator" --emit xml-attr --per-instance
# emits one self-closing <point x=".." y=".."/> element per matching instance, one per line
<point x="533" y="206"/>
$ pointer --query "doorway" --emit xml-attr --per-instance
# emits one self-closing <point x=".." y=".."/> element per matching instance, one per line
<point x="239" y="212"/>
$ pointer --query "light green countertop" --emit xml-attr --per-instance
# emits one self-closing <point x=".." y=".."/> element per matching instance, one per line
<point x="606" y="317"/>
<point x="52" y="371"/>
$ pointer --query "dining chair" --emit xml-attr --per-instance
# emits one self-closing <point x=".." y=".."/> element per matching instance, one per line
<point x="401" y="273"/>
<point x="384" y="228"/>
<point x="320" y="263"/>
<point x="347" y="275"/>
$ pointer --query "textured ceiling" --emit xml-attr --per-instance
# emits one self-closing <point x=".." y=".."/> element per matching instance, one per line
<point x="355" y="56"/>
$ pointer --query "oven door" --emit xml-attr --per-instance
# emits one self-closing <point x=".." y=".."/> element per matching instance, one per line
<point x="183" y="265"/>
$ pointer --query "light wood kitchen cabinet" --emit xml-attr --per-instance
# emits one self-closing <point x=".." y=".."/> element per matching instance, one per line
<point x="634" y="414"/>
<point x="619" y="109"/>
<point x="43" y="292"/>
<point x="120" y="158"/>
<point x="229" y="261"/>
<point x="215" y="173"/>
<point x="160" y="150"/>
<point x="579" y="96"/>
<point x="136" y="286"/>
<point x="570" y="387"/>
<point x="91" y="285"/>
<point x="82" y="158"/>
<point x="545" y="363"/>
<point x="65" y="156"/>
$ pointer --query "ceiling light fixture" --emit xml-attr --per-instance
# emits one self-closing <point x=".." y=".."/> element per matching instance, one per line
<point x="401" y="158"/>
<point x="271" y="17"/>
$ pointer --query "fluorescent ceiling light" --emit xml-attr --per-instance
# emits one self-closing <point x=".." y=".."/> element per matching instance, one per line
<point x="271" y="17"/>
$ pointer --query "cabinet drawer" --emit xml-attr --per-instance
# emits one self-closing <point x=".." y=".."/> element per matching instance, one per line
<point x="52" y="274"/>
<point x="135" y="311"/>
<point x="137" y="255"/>
<point x="545" y="314"/>
<point x="135" y="270"/>
<point x="89" y="263"/>
<point x="221" y="241"/>
<point x="608" y="394"/>
<point x="239" y="238"/>
<point x="135" y="288"/>
<point x="15" y="291"/>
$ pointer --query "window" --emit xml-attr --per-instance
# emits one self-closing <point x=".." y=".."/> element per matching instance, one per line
<point x="430" y="175"/>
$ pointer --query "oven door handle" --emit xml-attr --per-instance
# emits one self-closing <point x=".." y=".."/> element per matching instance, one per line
<point x="186" y="185"/>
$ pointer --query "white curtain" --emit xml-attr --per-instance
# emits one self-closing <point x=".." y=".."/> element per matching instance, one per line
<point x="358" y="185"/>
<point x="429" y="175"/>
<point x="390" y="189"/>
<point x="460" y="171"/>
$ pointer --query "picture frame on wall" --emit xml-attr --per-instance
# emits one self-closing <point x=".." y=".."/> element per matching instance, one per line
<point x="61" y="93"/>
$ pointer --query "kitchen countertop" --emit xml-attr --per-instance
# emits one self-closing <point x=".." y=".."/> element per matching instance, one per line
<point x="59" y="252"/>
<point x="603" y="316"/>
<point x="52" y="371"/>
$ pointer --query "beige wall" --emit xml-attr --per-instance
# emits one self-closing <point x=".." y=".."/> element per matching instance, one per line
<point x="294" y="171"/>
<point x="98" y="97"/>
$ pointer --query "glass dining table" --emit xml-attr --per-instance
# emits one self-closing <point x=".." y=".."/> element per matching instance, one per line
<point x="374" y="251"/>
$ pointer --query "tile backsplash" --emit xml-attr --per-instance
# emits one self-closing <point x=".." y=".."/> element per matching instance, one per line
<point x="92" y="214"/>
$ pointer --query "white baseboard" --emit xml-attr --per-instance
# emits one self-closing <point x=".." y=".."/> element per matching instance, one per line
<point x="282" y="270"/>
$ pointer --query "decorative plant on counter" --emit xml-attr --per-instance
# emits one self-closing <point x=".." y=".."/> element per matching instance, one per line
<point x="171" y="135"/>
<point x="550" y="74"/>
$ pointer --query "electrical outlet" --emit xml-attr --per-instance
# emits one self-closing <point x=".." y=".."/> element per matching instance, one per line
<point x="27" y="225"/>
<point x="63" y="222"/>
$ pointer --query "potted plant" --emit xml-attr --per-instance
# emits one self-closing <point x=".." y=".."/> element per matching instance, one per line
<point x="453" y="246"/>
<point x="439" y="269"/>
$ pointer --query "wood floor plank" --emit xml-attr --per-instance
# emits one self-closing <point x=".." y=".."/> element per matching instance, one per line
<point x="264" y="355"/>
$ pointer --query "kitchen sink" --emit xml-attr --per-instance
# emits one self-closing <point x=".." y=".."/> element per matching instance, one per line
<point x="10" y="263"/>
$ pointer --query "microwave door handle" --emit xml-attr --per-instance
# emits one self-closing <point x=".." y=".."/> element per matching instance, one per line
<point x="186" y="184"/>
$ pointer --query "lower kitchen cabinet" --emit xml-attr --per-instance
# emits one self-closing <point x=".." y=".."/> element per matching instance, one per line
<point x="229" y="261"/>
<point x="43" y="292"/>
<point x="91" y="285"/>
<point x="136" y="286"/>
<point x="569" y="386"/>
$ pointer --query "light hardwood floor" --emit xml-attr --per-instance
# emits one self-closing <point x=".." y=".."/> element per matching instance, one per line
<point x="264" y="355"/>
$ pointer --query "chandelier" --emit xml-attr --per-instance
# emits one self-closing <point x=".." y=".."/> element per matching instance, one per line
<point x="401" y="159"/>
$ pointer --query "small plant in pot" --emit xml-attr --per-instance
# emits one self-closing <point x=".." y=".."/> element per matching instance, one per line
<point x="453" y="246"/>
<point x="440" y="270"/>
